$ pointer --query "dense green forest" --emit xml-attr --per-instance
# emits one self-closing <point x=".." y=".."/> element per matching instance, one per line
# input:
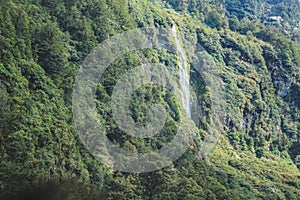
<point x="42" y="47"/>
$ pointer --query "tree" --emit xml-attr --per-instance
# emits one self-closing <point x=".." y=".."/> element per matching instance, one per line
<point x="49" y="42"/>
<point x="214" y="20"/>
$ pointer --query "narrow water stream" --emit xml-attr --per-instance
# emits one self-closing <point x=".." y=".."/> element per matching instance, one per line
<point x="184" y="75"/>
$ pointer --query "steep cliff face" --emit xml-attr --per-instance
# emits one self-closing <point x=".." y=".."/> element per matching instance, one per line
<point x="43" y="45"/>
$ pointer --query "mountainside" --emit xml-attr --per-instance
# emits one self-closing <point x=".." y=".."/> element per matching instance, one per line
<point x="283" y="14"/>
<point x="252" y="45"/>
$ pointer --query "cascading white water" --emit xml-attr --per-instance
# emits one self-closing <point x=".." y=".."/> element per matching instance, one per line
<point x="184" y="75"/>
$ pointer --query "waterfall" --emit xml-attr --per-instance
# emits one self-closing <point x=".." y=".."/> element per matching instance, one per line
<point x="184" y="75"/>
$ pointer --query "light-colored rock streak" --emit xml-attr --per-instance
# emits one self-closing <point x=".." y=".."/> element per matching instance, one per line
<point x="184" y="75"/>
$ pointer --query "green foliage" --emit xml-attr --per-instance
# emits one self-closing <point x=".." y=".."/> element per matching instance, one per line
<point x="214" y="20"/>
<point x="49" y="44"/>
<point x="42" y="45"/>
<point x="244" y="9"/>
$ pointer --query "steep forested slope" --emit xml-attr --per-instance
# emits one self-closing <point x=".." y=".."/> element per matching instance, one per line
<point x="43" y="44"/>
<point x="261" y="10"/>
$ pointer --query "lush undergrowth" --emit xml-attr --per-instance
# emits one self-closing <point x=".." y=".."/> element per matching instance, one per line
<point x="42" y="46"/>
